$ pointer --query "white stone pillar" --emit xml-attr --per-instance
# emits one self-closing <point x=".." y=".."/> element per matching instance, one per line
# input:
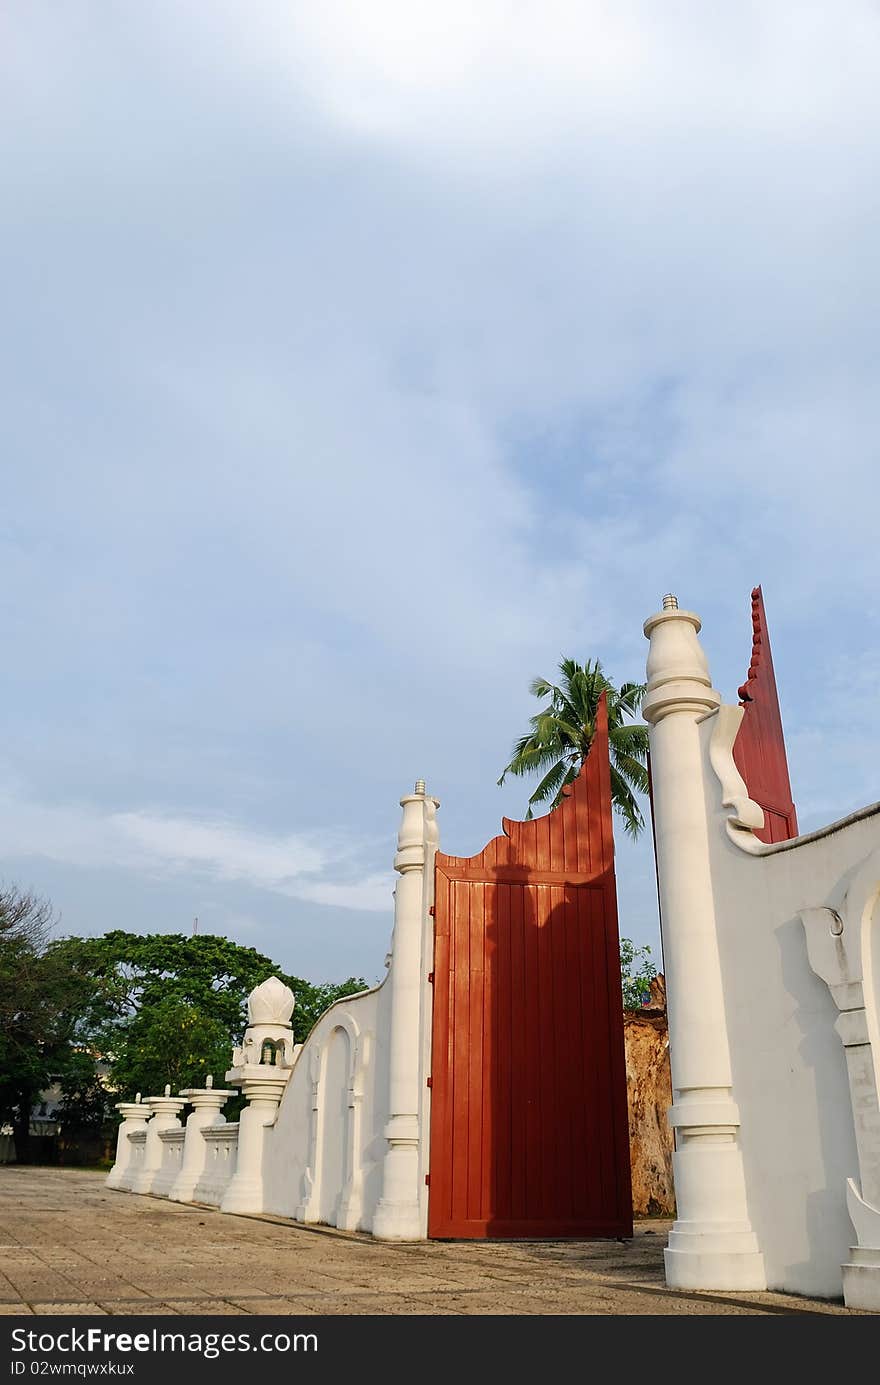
<point x="166" y="1110"/>
<point x="712" y="1244"/>
<point x="207" y="1103"/>
<point x="397" y="1216"/>
<point x="245" y="1192"/>
<point x="134" y="1117"/>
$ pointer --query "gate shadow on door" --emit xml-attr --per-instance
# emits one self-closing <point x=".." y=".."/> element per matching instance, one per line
<point x="529" y="1133"/>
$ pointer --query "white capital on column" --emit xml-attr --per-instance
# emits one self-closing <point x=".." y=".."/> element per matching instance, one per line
<point x="711" y="1245"/>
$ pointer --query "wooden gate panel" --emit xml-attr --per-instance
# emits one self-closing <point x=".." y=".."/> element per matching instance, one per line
<point x="529" y="1122"/>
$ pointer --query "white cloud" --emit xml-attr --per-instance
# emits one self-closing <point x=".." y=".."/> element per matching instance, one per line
<point x="227" y="851"/>
<point x="369" y="358"/>
<point x="373" y="893"/>
<point x="161" y="845"/>
<point x="507" y="80"/>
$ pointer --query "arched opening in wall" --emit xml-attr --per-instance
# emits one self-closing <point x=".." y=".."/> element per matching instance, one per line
<point x="334" y="1139"/>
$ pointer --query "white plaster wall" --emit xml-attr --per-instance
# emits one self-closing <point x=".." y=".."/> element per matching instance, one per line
<point x="789" y="1071"/>
<point x="172" y="1158"/>
<point x="138" y="1141"/>
<point x="300" y="1129"/>
<point x="221" y="1149"/>
<point x="336" y="1122"/>
<point x="330" y="1159"/>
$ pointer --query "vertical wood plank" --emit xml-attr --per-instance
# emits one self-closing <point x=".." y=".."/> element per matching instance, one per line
<point x="474" y="1025"/>
<point x="461" y="1046"/>
<point x="502" y="987"/>
<point x="556" y="849"/>
<point x="489" y="1068"/>
<point x="534" y="1191"/>
<point x="577" y="1150"/>
<point x="566" y="1095"/>
<point x="518" y="1059"/>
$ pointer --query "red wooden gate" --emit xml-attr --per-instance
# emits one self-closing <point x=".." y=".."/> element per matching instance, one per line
<point x="529" y="1132"/>
<point x="759" y="749"/>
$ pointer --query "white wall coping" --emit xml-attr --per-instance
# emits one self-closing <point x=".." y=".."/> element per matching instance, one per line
<point x="219" y="1133"/>
<point x="343" y="1000"/>
<point x="818" y="835"/>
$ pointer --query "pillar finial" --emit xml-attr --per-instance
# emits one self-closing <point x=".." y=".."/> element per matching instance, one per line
<point x="420" y="786"/>
<point x="678" y="674"/>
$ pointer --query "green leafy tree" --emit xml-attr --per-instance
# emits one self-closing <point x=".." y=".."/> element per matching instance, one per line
<point x="561" y="734"/>
<point x="121" y="1013"/>
<point x="40" y="1002"/>
<point x="164" y="1007"/>
<point x="637" y="971"/>
<point x="86" y="1109"/>
<point x="169" y="1041"/>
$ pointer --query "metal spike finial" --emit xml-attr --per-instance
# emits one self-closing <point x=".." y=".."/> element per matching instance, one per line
<point x="670" y="602"/>
<point x="420" y="786"/>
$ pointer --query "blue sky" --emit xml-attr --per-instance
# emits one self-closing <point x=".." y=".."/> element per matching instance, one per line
<point x="361" y="361"/>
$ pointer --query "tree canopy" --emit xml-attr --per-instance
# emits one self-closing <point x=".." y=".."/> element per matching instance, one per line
<point x="40" y="1002"/>
<point x="637" y="971"/>
<point x="108" y="1016"/>
<point x="166" y="1007"/>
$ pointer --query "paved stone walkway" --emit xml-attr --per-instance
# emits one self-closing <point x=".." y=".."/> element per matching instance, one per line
<point x="70" y="1245"/>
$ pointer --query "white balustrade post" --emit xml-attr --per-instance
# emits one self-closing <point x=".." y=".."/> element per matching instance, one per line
<point x="166" y="1110"/>
<point x="245" y="1191"/>
<point x="397" y="1216"/>
<point x="712" y="1244"/>
<point x="134" y="1117"/>
<point x="207" y="1103"/>
<point x="262" y="1068"/>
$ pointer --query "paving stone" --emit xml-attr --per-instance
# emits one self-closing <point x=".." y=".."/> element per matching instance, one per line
<point x="70" y="1245"/>
<point x="66" y="1308"/>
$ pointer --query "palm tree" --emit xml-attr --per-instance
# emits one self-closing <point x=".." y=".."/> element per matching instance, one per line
<point x="562" y="733"/>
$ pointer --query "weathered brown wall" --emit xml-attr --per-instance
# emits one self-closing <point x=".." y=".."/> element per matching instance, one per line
<point x="649" y="1090"/>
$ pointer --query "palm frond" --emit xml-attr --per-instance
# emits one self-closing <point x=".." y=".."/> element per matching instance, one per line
<point x="624" y="801"/>
<point x="550" y="784"/>
<point x="633" y="771"/>
<point x="562" y="731"/>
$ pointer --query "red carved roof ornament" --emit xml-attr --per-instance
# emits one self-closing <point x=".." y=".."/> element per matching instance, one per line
<point x="759" y="749"/>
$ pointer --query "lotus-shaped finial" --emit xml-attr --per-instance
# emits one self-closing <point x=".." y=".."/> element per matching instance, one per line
<point x="270" y="1003"/>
